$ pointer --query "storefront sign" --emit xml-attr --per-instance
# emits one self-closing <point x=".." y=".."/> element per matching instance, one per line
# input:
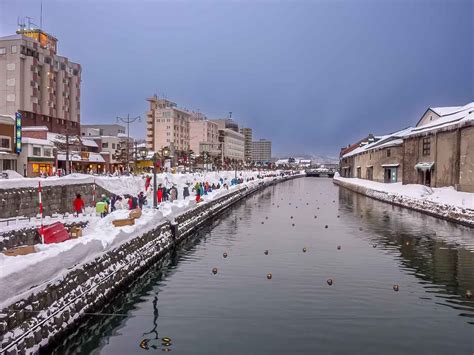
<point x="18" y="132"/>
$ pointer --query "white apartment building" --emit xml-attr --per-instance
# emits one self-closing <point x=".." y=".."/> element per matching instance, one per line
<point x="261" y="151"/>
<point x="167" y="126"/>
<point x="232" y="144"/>
<point x="37" y="82"/>
<point x="204" y="137"/>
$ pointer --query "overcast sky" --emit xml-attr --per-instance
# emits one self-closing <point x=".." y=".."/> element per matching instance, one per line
<point x="312" y="76"/>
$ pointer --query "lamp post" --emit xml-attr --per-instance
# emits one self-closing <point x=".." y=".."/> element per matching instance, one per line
<point x="154" y="159"/>
<point x="128" y="120"/>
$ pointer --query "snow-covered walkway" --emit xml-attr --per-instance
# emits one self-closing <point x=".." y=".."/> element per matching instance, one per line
<point x="444" y="202"/>
<point x="22" y="273"/>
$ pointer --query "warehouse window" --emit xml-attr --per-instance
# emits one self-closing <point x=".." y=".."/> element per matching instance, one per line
<point x="426" y="146"/>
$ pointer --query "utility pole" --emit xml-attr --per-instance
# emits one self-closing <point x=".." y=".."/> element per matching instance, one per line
<point x="128" y="120"/>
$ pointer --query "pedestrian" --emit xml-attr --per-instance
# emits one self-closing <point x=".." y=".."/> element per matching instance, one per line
<point x="172" y="194"/>
<point x="101" y="208"/>
<point x="159" y="194"/>
<point x="132" y="203"/>
<point x="185" y="192"/>
<point x="141" y="199"/>
<point x="114" y="200"/>
<point x="78" y="204"/>
<point x="165" y="193"/>
<point x="147" y="182"/>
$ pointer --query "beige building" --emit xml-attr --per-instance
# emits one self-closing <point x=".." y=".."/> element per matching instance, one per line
<point x="261" y="151"/>
<point x="37" y="82"/>
<point x="438" y="152"/>
<point x="204" y="137"/>
<point x="167" y="126"/>
<point x="247" y="132"/>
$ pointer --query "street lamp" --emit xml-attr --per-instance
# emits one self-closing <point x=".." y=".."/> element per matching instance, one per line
<point x="154" y="159"/>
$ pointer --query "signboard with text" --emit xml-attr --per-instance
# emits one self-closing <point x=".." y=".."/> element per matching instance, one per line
<point x="18" y="132"/>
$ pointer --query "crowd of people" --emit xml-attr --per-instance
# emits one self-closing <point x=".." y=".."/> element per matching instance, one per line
<point x="166" y="192"/>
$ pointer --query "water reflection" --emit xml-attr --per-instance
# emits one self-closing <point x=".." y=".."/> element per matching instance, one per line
<point x="437" y="258"/>
<point x="377" y="300"/>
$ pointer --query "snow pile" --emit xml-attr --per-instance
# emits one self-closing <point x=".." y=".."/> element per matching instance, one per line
<point x="444" y="202"/>
<point x="27" y="273"/>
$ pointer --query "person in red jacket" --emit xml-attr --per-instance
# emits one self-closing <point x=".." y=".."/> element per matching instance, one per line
<point x="159" y="194"/>
<point x="78" y="204"/>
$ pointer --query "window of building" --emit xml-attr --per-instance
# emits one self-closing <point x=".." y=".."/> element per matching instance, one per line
<point x="426" y="146"/>
<point x="47" y="152"/>
<point x="166" y="114"/>
<point x="105" y="145"/>
<point x="5" y="143"/>
<point x="388" y="152"/>
<point x="37" y="151"/>
<point x="113" y="145"/>
<point x="14" y="49"/>
<point x="3" y="50"/>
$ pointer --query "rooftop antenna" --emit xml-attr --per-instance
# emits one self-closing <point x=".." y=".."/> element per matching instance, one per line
<point x="41" y="15"/>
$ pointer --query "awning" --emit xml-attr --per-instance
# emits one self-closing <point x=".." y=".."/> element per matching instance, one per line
<point x="424" y="165"/>
<point x="358" y="166"/>
<point x="369" y="166"/>
<point x="390" y="165"/>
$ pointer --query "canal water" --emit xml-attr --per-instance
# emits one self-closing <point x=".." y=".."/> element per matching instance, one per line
<point x="367" y="249"/>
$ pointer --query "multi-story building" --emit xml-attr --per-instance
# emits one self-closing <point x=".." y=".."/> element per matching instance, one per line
<point x="37" y="82"/>
<point x="8" y="158"/>
<point x="227" y="123"/>
<point x="113" y="130"/>
<point x="247" y="132"/>
<point x="204" y="137"/>
<point x="167" y="126"/>
<point x="262" y="151"/>
<point x="436" y="152"/>
<point x="232" y="145"/>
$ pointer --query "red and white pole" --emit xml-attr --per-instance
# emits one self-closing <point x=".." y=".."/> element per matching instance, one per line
<point x="41" y="210"/>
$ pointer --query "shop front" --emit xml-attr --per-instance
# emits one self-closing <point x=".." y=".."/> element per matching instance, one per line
<point x="40" y="167"/>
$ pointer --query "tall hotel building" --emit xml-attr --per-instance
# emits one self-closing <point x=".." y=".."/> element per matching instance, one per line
<point x="38" y="83"/>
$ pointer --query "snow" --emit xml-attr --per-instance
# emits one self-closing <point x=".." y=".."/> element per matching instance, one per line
<point x="29" y="140"/>
<point x="12" y="174"/>
<point x="440" y="195"/>
<point x="27" y="273"/>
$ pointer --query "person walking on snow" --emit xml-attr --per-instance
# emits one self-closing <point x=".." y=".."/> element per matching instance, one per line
<point x="78" y="204"/>
<point x="159" y="194"/>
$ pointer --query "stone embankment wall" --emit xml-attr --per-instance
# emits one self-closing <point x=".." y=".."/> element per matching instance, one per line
<point x="56" y="199"/>
<point x="45" y="316"/>
<point x="447" y="212"/>
<point x="27" y="236"/>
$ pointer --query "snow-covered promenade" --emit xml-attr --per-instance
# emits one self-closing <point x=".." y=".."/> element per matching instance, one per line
<point x="444" y="202"/>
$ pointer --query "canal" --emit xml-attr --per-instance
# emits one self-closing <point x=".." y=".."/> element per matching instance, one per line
<point x="315" y="233"/>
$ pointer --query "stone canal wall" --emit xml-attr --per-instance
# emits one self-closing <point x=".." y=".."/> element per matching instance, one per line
<point x="43" y="317"/>
<point x="450" y="213"/>
<point x="56" y="199"/>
